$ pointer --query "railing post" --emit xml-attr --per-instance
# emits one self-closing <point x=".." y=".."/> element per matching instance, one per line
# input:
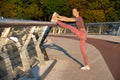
<point x="41" y="39"/>
<point x="24" y="53"/>
<point x="118" y="32"/>
<point x="3" y="42"/>
<point x="100" y="29"/>
<point x="3" y="39"/>
<point x="37" y="44"/>
<point x="87" y="29"/>
<point x="8" y="65"/>
<point x="40" y="56"/>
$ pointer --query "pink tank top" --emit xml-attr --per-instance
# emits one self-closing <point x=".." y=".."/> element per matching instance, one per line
<point x="79" y="23"/>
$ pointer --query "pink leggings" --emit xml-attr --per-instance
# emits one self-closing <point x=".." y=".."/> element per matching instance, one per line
<point x="81" y="34"/>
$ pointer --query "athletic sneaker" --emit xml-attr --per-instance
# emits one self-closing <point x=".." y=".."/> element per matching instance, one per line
<point x="85" y="68"/>
<point x="53" y="17"/>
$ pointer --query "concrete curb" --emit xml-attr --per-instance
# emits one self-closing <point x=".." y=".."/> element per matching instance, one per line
<point x="46" y="69"/>
<point x="39" y="72"/>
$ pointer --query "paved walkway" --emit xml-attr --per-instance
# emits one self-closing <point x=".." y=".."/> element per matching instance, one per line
<point x="109" y="47"/>
<point x="69" y="61"/>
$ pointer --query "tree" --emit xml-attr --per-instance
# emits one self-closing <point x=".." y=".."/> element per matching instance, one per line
<point x="7" y="8"/>
<point x="59" y="6"/>
<point x="25" y="9"/>
<point x="91" y="10"/>
<point x="94" y="16"/>
<point x="113" y="16"/>
<point x="28" y="9"/>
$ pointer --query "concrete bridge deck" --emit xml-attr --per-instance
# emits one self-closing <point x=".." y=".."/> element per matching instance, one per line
<point x="65" y="49"/>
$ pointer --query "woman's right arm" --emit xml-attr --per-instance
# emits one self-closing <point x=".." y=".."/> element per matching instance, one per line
<point x="66" y="19"/>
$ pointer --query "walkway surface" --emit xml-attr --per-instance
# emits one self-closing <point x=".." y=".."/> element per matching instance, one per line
<point x="66" y="50"/>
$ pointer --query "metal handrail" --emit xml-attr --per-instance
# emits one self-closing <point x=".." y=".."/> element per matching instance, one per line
<point x="8" y="22"/>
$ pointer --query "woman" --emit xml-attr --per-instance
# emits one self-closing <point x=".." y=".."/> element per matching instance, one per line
<point x="80" y="31"/>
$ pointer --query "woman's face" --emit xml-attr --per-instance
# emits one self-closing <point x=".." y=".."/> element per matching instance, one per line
<point x="75" y="12"/>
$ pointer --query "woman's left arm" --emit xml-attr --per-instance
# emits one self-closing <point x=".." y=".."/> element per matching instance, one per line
<point x="66" y="19"/>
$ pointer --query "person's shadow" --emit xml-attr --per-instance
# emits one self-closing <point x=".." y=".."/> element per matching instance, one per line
<point x="56" y="47"/>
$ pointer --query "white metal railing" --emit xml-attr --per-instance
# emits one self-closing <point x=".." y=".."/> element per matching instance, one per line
<point x="20" y="33"/>
<point x="110" y="28"/>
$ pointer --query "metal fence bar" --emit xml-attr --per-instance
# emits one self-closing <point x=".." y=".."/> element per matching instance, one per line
<point x="22" y="49"/>
<point x="20" y="22"/>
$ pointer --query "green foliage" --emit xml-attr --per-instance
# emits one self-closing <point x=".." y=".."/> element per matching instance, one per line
<point x="59" y="6"/>
<point x="94" y="15"/>
<point x="7" y="8"/>
<point x="113" y="16"/>
<point x="91" y="10"/>
<point x="29" y="10"/>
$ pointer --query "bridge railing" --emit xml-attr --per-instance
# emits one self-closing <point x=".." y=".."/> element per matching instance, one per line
<point x="21" y="46"/>
<point x="21" y="43"/>
<point x="101" y="28"/>
<point x="108" y="28"/>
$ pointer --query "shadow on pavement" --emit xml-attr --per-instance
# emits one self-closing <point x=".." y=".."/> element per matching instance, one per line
<point x="110" y="51"/>
<point x="56" y="47"/>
